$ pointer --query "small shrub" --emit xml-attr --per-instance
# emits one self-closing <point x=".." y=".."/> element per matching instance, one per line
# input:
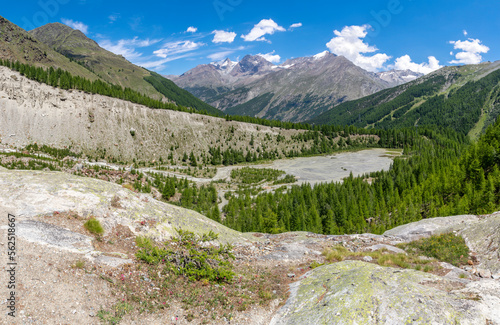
<point x="191" y="257"/>
<point x="94" y="226"/>
<point x="448" y="247"/>
<point x="265" y="294"/>
<point x="79" y="264"/>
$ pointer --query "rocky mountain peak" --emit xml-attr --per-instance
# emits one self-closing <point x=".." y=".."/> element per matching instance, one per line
<point x="225" y="66"/>
<point x="397" y="77"/>
<point x="251" y="65"/>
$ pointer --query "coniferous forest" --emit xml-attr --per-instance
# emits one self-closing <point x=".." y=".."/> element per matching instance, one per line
<point x="440" y="174"/>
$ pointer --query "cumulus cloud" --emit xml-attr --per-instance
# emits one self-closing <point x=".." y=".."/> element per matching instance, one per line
<point x="465" y="33"/>
<point x="221" y="36"/>
<point x="127" y="47"/>
<point x="470" y="51"/>
<point x="405" y="63"/>
<point x="271" y="57"/>
<point x="349" y="43"/>
<point x="296" y="25"/>
<point x="264" y="27"/>
<point x="76" y="25"/>
<point x="178" y="47"/>
<point x="192" y="29"/>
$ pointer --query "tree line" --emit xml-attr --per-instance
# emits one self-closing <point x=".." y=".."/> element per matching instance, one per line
<point x="439" y="175"/>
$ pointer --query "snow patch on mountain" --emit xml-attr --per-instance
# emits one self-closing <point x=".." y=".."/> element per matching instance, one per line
<point x="321" y="55"/>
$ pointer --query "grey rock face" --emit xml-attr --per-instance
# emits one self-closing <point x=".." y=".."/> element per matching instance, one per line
<point x="428" y="227"/>
<point x="354" y="292"/>
<point x="41" y="232"/>
<point x="387" y="247"/>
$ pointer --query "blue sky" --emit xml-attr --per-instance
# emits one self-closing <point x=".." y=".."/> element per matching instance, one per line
<point x="171" y="37"/>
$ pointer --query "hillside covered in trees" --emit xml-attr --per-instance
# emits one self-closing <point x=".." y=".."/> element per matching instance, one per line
<point x="440" y="174"/>
<point x="466" y="99"/>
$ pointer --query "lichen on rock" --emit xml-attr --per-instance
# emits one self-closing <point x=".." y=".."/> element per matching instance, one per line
<point x="355" y="292"/>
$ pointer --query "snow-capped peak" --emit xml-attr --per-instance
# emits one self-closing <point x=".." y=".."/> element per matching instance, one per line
<point x="321" y="55"/>
<point x="227" y="65"/>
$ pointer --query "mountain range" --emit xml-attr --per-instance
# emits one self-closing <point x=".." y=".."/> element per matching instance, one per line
<point x="296" y="90"/>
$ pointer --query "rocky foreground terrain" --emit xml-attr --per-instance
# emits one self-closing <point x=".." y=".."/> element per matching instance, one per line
<point x="50" y="208"/>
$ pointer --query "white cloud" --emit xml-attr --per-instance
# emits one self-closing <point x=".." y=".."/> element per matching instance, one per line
<point x="349" y="43"/>
<point x="178" y="47"/>
<point x="75" y="25"/>
<point x="465" y="33"/>
<point x="220" y="55"/>
<point x="264" y="27"/>
<point x="296" y="25"/>
<point x="113" y="18"/>
<point x="221" y="36"/>
<point x="192" y="29"/>
<point x="127" y="47"/>
<point x="158" y="64"/>
<point x="471" y="50"/>
<point x="271" y="57"/>
<point x="225" y="53"/>
<point x="405" y="63"/>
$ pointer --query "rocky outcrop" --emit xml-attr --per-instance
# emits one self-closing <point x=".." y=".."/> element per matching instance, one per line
<point x="481" y="234"/>
<point x="27" y="194"/>
<point x="428" y="227"/>
<point x="355" y="292"/>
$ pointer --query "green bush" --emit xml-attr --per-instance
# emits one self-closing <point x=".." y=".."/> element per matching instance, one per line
<point x="94" y="226"/>
<point x="190" y="257"/>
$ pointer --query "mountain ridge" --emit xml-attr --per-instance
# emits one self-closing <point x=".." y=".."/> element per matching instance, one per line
<point x="296" y="90"/>
<point x="468" y="95"/>
<point x="108" y="66"/>
<point x="83" y="57"/>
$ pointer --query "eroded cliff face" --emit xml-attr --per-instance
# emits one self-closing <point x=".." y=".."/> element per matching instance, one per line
<point x="31" y="112"/>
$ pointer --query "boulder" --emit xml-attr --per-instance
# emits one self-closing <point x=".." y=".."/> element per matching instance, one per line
<point x="355" y="292"/>
<point x="390" y="248"/>
<point x="428" y="227"/>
